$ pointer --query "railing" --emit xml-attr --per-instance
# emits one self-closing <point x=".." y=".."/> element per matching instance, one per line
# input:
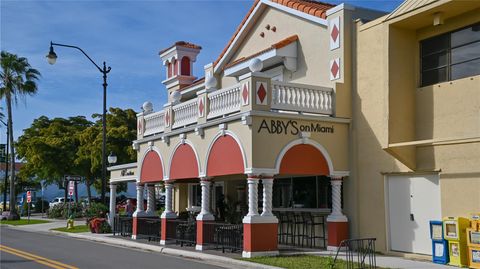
<point x="122" y="226"/>
<point x="154" y="123"/>
<point x="183" y="232"/>
<point x="359" y="253"/>
<point x="223" y="236"/>
<point x="302" y="98"/>
<point x="224" y="101"/>
<point x="149" y="228"/>
<point x="185" y="113"/>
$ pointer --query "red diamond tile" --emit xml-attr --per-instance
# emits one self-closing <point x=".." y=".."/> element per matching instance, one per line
<point x="334" y="69"/>
<point x="334" y="34"/>
<point x="167" y="118"/>
<point x="262" y="93"/>
<point x="140" y="127"/>
<point x="245" y="93"/>
<point x="201" y="106"/>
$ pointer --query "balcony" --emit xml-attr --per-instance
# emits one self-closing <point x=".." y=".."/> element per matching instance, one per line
<point x="253" y="93"/>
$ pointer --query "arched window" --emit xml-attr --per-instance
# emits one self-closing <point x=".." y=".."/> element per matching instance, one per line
<point x="169" y="70"/>
<point x="185" y="66"/>
<point x="175" y="67"/>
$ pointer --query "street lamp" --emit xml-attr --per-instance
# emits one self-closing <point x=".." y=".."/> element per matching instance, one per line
<point x="52" y="59"/>
<point x="6" y="172"/>
<point x="112" y="158"/>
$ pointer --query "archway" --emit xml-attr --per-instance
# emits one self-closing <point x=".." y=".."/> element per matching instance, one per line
<point x="304" y="159"/>
<point x="152" y="168"/>
<point x="225" y="157"/>
<point x="184" y="164"/>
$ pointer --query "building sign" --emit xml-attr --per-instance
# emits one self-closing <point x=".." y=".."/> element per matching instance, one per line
<point x="292" y="127"/>
<point x="126" y="172"/>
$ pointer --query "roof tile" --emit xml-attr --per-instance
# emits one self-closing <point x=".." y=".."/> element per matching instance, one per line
<point x="182" y="44"/>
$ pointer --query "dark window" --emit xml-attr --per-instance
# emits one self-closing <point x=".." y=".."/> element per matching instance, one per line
<point x="450" y="56"/>
<point x="302" y="192"/>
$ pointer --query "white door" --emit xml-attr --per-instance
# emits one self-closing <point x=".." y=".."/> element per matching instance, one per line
<point x="412" y="202"/>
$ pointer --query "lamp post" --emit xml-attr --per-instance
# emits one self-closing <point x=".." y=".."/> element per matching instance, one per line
<point x="52" y="58"/>
<point x="112" y="158"/>
<point x="6" y="173"/>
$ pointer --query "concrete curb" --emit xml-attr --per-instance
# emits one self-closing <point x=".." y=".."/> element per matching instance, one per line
<point x="212" y="259"/>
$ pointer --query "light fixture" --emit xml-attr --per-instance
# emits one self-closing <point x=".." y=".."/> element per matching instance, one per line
<point x="52" y="56"/>
<point x="112" y="158"/>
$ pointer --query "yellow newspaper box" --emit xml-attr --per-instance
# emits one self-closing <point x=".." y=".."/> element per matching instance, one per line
<point x="473" y="242"/>
<point x="454" y="229"/>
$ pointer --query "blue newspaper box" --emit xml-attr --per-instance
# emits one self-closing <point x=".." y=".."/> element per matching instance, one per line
<point x="439" y="244"/>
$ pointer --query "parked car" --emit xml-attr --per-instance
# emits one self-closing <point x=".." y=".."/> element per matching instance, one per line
<point x="58" y="200"/>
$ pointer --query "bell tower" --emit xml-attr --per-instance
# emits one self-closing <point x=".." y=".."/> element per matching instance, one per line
<point x="178" y="60"/>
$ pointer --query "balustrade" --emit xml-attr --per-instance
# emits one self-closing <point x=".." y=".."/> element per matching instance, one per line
<point x="185" y="113"/>
<point x="224" y="101"/>
<point x="302" y="98"/>
<point x="154" y="123"/>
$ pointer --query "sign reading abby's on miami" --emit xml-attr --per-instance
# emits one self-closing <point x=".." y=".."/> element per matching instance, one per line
<point x="292" y="127"/>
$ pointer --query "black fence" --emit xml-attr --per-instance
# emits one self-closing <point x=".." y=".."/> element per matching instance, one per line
<point x="183" y="232"/>
<point x="122" y="226"/>
<point x="359" y="253"/>
<point x="223" y="236"/>
<point x="149" y="228"/>
<point x="302" y="229"/>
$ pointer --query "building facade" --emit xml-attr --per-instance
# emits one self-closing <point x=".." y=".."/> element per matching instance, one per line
<point x="313" y="114"/>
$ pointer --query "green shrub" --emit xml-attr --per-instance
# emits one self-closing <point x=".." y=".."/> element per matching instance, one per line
<point x="60" y="211"/>
<point x="96" y="210"/>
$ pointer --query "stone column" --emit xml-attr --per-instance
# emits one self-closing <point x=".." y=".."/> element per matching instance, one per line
<point x="260" y="236"/>
<point x="337" y="222"/>
<point x="150" y="200"/>
<point x="267" y="196"/>
<point x="139" y="211"/>
<point x="168" y="213"/>
<point x="205" y="215"/>
<point x="113" y="200"/>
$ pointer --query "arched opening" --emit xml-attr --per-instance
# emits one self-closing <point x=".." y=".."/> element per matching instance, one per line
<point x="185" y="66"/>
<point x="225" y="157"/>
<point x="304" y="159"/>
<point x="152" y="168"/>
<point x="175" y="67"/>
<point x="184" y="163"/>
<point x="169" y="70"/>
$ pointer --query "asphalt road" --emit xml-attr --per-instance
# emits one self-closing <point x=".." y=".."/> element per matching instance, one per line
<point x="20" y="249"/>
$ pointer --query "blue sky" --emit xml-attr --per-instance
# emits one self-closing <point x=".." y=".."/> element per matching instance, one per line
<point x="125" y="34"/>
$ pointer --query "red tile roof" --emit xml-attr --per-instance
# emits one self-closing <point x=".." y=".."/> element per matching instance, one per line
<point x="182" y="44"/>
<point x="314" y="8"/>
<point x="278" y="45"/>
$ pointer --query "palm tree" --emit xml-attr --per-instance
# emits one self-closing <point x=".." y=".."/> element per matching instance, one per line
<point x="18" y="79"/>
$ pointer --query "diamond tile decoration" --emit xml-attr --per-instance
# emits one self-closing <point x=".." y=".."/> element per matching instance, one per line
<point x="262" y="93"/>
<point x="334" y="34"/>
<point x="335" y="69"/>
<point x="167" y="118"/>
<point x="140" y="126"/>
<point x="245" y="94"/>
<point x="201" y="107"/>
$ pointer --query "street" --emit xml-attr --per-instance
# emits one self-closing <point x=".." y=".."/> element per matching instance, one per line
<point x="21" y="249"/>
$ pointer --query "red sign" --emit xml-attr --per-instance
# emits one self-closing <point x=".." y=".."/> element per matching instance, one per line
<point x="71" y="187"/>
<point x="29" y="196"/>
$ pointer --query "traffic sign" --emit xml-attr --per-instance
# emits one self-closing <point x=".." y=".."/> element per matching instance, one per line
<point x="73" y="178"/>
<point x="29" y="196"/>
<point x="71" y="187"/>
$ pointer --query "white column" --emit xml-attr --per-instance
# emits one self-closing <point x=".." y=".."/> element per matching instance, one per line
<point x="252" y="215"/>
<point x="336" y="215"/>
<point x="113" y="198"/>
<point x="267" y="196"/>
<point x="168" y="213"/>
<point x="205" y="213"/>
<point x="150" y="200"/>
<point x="139" y="211"/>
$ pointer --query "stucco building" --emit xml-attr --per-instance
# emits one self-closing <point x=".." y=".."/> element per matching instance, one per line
<point x="329" y="117"/>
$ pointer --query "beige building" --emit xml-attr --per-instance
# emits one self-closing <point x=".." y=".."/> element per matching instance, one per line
<point x="308" y="96"/>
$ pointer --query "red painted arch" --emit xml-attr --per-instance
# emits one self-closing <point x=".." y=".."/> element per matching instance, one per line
<point x="152" y="168"/>
<point x="185" y="66"/>
<point x="225" y="158"/>
<point x="304" y="160"/>
<point x="184" y="163"/>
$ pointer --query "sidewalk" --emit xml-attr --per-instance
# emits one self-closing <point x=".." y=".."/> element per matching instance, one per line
<point x="221" y="259"/>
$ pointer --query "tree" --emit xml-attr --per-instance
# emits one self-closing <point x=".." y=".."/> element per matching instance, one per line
<point x="18" y="79"/>
<point x="121" y="131"/>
